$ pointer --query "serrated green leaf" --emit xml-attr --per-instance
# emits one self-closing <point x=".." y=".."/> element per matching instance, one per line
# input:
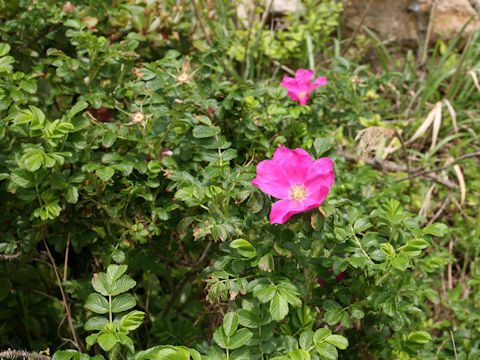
<point x="95" y="323"/>
<point x="244" y="248"/>
<point x="97" y="303"/>
<point x="123" y="302"/>
<point x="204" y="131"/>
<point x="123" y="284"/>
<point x="278" y="307"/>
<point x="239" y="339"/>
<point x="338" y="340"/>
<point x="419" y="337"/>
<point x="326" y="350"/>
<point x="131" y="321"/>
<point x="220" y="338"/>
<point x="437" y="229"/>
<point x="105" y="173"/>
<point x="230" y="323"/>
<point x="107" y="341"/>
<point x="23" y="178"/>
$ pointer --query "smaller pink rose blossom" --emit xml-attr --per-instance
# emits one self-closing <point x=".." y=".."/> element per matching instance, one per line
<point x="167" y="152"/>
<point x="299" y="87"/>
<point x="294" y="177"/>
<point x="149" y="159"/>
<point x="321" y="282"/>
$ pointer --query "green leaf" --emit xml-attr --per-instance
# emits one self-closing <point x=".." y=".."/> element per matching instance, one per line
<point x="4" y="50"/>
<point x="278" y="307"/>
<point x="109" y="139"/>
<point x="220" y="338"/>
<point x="299" y="355"/>
<point x="114" y="272"/>
<point x="95" y="323"/>
<point x="239" y="339"/>
<point x="204" y="131"/>
<point x="326" y="350"/>
<point x="97" y="303"/>
<point x="419" y="337"/>
<point x="244" y="248"/>
<point x="123" y="302"/>
<point x="101" y="285"/>
<point x="321" y="334"/>
<point x="436" y="229"/>
<point x="400" y="263"/>
<point x="62" y="354"/>
<point x="306" y="339"/>
<point x="71" y="194"/>
<point x="23" y="178"/>
<point x="105" y="173"/>
<point x="107" y="341"/>
<point x="230" y="323"/>
<point x="338" y="340"/>
<point x="79" y="106"/>
<point x="322" y="146"/>
<point x="123" y="284"/>
<point x="131" y="321"/>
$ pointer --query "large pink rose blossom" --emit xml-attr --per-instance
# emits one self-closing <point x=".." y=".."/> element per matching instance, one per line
<point x="299" y="87"/>
<point x="297" y="179"/>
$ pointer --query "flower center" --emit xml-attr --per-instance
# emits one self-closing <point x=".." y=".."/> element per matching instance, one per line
<point x="302" y="94"/>
<point x="298" y="192"/>
<point x="183" y="77"/>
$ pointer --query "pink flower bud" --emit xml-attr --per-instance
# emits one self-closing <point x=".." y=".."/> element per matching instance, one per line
<point x="68" y="7"/>
<point x="167" y="152"/>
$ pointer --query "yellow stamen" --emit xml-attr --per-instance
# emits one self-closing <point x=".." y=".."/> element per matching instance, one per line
<point x="302" y="94"/>
<point x="298" y="192"/>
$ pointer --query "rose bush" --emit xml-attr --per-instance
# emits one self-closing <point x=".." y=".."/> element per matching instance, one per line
<point x="136" y="167"/>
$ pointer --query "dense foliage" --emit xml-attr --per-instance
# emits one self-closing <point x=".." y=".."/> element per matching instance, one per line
<point x="130" y="134"/>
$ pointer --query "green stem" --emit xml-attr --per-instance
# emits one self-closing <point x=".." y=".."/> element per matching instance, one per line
<point x="110" y="308"/>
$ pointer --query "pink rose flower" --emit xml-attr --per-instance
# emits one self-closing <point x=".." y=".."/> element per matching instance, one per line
<point x="294" y="177"/>
<point x="299" y="87"/>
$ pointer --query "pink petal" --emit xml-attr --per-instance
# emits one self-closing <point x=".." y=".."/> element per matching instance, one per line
<point x="304" y="100"/>
<point x="294" y="163"/>
<point x="282" y="210"/>
<point x="271" y="179"/>
<point x="304" y="79"/>
<point x="318" y="182"/>
<point x="291" y="85"/>
<point x="322" y="80"/>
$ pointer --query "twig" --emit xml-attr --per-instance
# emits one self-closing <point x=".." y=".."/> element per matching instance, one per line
<point x="76" y="342"/>
<point x="423" y="172"/>
<point x="394" y="167"/>
<point x="21" y="354"/>
<point x="65" y="264"/>
<point x="439" y="212"/>
<point x="11" y="257"/>
<point x="449" y="268"/>
<point x="286" y="68"/>
<point x="187" y="278"/>
<point x="454" y="347"/>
